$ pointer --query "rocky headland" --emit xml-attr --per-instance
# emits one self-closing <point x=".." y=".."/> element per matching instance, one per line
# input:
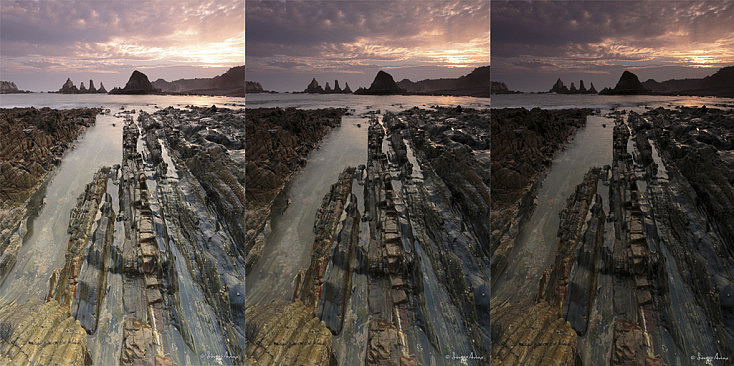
<point x="229" y="83"/>
<point x="473" y="84"/>
<point x="719" y="84"/>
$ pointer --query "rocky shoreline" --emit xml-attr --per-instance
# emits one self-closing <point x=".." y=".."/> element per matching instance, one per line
<point x="524" y="143"/>
<point x="32" y="143"/>
<point x="422" y="218"/>
<point x="642" y="268"/>
<point x="280" y="141"/>
<point x="178" y="213"/>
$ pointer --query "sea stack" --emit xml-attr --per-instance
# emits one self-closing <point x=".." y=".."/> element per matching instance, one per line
<point x="628" y="84"/>
<point x="68" y="87"/>
<point x="559" y="88"/>
<point x="92" y="89"/>
<point x="384" y="84"/>
<point x="313" y="87"/>
<point x="337" y="89"/>
<point x="347" y="90"/>
<point x="137" y="84"/>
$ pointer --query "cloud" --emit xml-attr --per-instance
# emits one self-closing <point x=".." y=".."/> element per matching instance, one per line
<point x="119" y="35"/>
<point x="356" y="36"/>
<point x="604" y="36"/>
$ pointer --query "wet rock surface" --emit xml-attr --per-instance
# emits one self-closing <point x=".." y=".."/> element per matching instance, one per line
<point x="279" y="142"/>
<point x="32" y="144"/>
<point x="523" y="145"/>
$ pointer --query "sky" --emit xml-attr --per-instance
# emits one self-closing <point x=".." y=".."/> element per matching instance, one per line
<point x="535" y="43"/>
<point x="291" y="42"/>
<point x="44" y="42"/>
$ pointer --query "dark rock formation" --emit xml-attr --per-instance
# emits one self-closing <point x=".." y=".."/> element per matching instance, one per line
<point x="137" y="84"/>
<point x="592" y="89"/>
<point x="337" y="89"/>
<point x="101" y="89"/>
<point x="382" y="85"/>
<point x="560" y="88"/>
<point x="628" y="84"/>
<point x="498" y="87"/>
<point x="327" y="281"/>
<point x="68" y="88"/>
<point x="253" y="87"/>
<point x="314" y="87"/>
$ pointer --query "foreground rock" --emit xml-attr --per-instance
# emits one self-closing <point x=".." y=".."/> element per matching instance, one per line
<point x="282" y="333"/>
<point x="37" y="333"/>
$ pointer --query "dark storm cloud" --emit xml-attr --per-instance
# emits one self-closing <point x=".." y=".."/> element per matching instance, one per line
<point x="604" y="36"/>
<point x="355" y="37"/>
<point x="112" y="37"/>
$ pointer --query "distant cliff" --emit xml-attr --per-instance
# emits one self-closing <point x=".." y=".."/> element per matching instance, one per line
<point x="498" y="87"/>
<point x="231" y="83"/>
<point x="720" y="84"/>
<point x="474" y="84"/>
<point x="137" y="84"/>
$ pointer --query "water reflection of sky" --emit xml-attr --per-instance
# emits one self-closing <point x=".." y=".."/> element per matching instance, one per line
<point x="65" y="101"/>
<point x="559" y="101"/>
